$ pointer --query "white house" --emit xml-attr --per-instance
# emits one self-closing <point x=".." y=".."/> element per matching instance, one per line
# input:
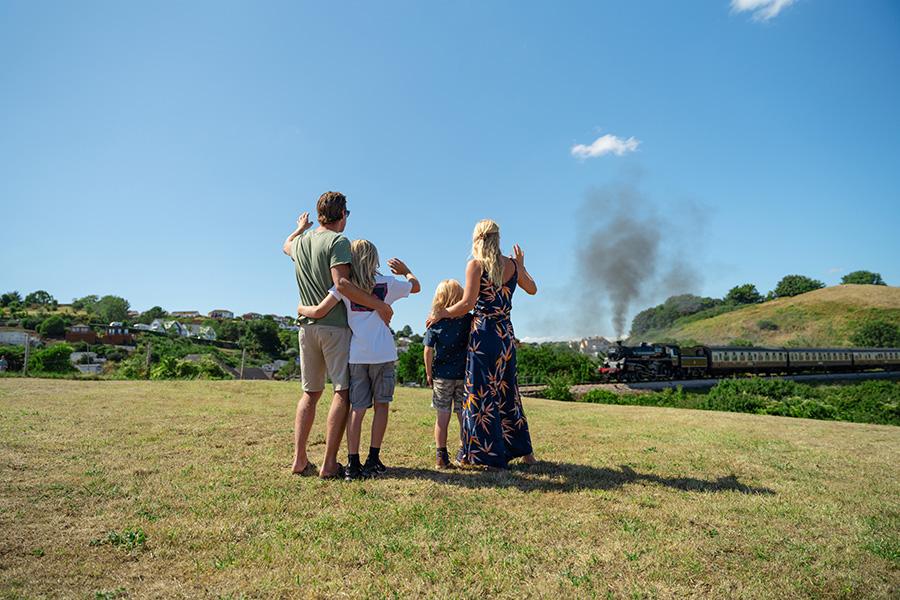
<point x="221" y="313"/>
<point x="16" y="337"/>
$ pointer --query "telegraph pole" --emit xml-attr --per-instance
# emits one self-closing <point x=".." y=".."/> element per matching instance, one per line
<point x="27" y="348"/>
<point x="243" y="354"/>
<point x="149" y="345"/>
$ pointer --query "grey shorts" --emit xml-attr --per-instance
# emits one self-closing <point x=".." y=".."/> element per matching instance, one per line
<point x="448" y="394"/>
<point x="370" y="383"/>
<point x="324" y="348"/>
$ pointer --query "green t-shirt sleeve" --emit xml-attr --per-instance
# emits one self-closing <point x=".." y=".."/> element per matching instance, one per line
<point x="340" y="251"/>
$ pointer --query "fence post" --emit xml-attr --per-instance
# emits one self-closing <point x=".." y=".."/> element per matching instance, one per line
<point x="243" y="354"/>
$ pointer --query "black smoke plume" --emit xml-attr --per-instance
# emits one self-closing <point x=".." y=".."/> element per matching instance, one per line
<point x="632" y="250"/>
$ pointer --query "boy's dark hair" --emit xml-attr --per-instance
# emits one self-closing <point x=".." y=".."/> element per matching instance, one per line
<point x="331" y="207"/>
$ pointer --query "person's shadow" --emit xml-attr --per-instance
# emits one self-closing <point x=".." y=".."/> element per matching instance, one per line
<point x="567" y="477"/>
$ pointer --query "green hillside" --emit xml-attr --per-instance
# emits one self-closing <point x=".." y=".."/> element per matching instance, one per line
<point x="825" y="317"/>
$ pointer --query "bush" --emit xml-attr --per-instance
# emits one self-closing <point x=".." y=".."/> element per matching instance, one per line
<point x="411" y="365"/>
<point x="559" y="388"/>
<point x="673" y="309"/>
<point x="53" y="326"/>
<point x="877" y="334"/>
<point x="863" y="278"/>
<point x="743" y="294"/>
<point x="537" y="363"/>
<point x="767" y="325"/>
<point x="15" y="356"/>
<point x="794" y="285"/>
<point x="54" y="359"/>
<point x="600" y="396"/>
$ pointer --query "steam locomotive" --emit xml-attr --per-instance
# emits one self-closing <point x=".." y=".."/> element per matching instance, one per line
<point x="654" y="362"/>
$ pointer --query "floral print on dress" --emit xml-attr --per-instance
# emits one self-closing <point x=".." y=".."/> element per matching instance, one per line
<point x="495" y="430"/>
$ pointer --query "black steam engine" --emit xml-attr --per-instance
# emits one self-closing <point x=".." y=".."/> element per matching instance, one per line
<point x="654" y="362"/>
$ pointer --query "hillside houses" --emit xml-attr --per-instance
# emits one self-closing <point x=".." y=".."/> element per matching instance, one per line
<point x="171" y="326"/>
<point x="221" y="313"/>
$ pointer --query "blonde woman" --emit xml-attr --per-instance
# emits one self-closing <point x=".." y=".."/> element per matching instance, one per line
<point x="372" y="350"/>
<point x="495" y="430"/>
<point x="446" y="342"/>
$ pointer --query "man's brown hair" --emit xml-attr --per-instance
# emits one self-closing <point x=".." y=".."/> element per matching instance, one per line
<point x="331" y="207"/>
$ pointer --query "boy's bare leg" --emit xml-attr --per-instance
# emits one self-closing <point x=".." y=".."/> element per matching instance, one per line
<point x="441" y="423"/>
<point x="334" y="432"/>
<point x="379" y="423"/>
<point x="354" y="429"/>
<point x="303" y="422"/>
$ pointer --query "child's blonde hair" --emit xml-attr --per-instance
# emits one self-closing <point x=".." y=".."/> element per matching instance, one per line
<point x="448" y="293"/>
<point x="364" y="264"/>
<point x="486" y="250"/>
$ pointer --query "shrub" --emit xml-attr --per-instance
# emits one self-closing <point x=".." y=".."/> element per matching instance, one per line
<point x="15" y="355"/>
<point x="877" y="334"/>
<point x="765" y="325"/>
<point x="743" y="294"/>
<point x="794" y="285"/>
<point x="558" y="388"/>
<point x="53" y="326"/>
<point x="863" y="278"/>
<point x="600" y="396"/>
<point x="54" y="359"/>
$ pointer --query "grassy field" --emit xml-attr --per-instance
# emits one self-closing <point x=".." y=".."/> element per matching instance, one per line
<point x="822" y="318"/>
<point x="182" y="489"/>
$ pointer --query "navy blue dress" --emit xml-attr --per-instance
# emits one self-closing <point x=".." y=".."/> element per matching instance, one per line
<point x="495" y="430"/>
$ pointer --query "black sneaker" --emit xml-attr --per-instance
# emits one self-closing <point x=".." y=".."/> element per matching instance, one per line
<point x="460" y="456"/>
<point x="355" y="472"/>
<point x="374" y="466"/>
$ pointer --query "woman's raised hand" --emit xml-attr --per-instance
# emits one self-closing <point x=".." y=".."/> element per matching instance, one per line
<point x="519" y="255"/>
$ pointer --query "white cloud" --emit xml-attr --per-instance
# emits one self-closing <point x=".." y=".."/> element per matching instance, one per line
<point x="605" y="144"/>
<point x="762" y="10"/>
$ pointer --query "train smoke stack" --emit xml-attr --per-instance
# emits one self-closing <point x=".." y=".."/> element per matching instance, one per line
<point x="629" y="251"/>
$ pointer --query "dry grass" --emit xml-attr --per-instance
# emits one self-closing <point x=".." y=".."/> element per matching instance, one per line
<point x="629" y="502"/>
<point x="826" y="317"/>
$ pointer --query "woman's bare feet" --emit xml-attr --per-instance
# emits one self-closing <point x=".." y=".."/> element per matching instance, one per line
<point x="529" y="459"/>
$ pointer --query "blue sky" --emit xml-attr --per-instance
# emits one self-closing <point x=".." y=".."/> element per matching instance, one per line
<point x="162" y="151"/>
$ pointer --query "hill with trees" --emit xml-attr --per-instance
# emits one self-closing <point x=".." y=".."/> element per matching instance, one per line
<point x="844" y="315"/>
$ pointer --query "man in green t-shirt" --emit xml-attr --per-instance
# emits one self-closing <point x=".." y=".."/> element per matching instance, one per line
<point x="322" y="260"/>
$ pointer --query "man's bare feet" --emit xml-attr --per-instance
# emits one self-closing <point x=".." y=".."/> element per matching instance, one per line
<point x="335" y="472"/>
<point x="308" y="469"/>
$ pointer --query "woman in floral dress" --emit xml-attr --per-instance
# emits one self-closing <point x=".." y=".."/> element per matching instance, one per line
<point x="495" y="430"/>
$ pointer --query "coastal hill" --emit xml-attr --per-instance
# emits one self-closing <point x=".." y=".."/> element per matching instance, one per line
<point x="821" y="318"/>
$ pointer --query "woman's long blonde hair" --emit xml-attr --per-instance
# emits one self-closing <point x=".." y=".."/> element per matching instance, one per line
<point x="448" y="293"/>
<point x="364" y="264"/>
<point x="486" y="250"/>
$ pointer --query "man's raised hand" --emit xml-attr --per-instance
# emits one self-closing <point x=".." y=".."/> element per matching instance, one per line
<point x="303" y="222"/>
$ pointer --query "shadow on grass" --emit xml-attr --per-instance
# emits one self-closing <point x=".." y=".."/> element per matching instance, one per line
<point x="567" y="477"/>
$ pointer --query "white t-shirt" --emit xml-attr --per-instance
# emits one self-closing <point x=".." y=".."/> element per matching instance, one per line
<point x="372" y="342"/>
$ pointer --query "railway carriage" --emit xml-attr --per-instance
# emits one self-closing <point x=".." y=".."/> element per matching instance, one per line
<point x="726" y="360"/>
<point x="820" y="359"/>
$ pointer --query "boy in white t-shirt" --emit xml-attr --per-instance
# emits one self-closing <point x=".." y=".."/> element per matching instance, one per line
<point x="372" y="350"/>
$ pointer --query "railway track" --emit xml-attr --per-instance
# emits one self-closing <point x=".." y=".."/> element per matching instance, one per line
<point x="705" y="384"/>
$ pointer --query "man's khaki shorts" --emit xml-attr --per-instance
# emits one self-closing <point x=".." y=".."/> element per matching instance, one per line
<point x="448" y="394"/>
<point x="324" y="349"/>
